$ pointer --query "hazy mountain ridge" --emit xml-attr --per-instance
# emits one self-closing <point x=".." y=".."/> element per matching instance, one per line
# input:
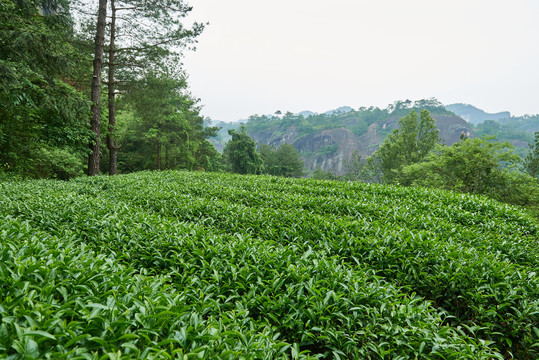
<point x="517" y="130"/>
<point x="330" y="147"/>
<point x="475" y="115"/>
<point x="328" y="140"/>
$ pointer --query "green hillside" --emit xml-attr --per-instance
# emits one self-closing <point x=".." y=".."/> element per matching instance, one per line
<point x="329" y="140"/>
<point x="158" y="265"/>
<point x="357" y="121"/>
<point x="516" y="130"/>
<point x="269" y="128"/>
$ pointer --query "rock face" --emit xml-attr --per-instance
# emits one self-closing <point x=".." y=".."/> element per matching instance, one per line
<point x="452" y="128"/>
<point x="330" y="149"/>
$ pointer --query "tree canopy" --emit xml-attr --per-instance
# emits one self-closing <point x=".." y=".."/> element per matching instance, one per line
<point x="43" y="118"/>
<point x="476" y="166"/>
<point x="240" y="153"/>
<point x="410" y="143"/>
<point x="144" y="37"/>
<point x="49" y="113"/>
<point x="161" y="127"/>
<point x="531" y="162"/>
<point x="284" y="160"/>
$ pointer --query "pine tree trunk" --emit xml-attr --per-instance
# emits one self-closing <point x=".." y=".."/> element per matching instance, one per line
<point x="113" y="149"/>
<point x="167" y="165"/>
<point x="158" y="155"/>
<point x="95" y="120"/>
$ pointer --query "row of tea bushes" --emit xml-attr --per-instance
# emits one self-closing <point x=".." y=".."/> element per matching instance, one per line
<point x="470" y="271"/>
<point x="61" y="300"/>
<point x="316" y="269"/>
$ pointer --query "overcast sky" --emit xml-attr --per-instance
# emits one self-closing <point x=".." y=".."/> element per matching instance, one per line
<point x="260" y="56"/>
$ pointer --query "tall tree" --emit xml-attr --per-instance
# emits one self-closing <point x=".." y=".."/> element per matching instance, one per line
<point x="531" y="162"/>
<point x="240" y="153"/>
<point x="410" y="143"/>
<point x="113" y="149"/>
<point x="95" y="119"/>
<point x="153" y="36"/>
<point x="282" y="161"/>
<point x="163" y="128"/>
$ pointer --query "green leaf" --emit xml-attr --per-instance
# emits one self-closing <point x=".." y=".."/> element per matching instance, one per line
<point x="31" y="349"/>
<point x="76" y="339"/>
<point x="99" y="340"/>
<point x="40" y="333"/>
<point x="4" y="335"/>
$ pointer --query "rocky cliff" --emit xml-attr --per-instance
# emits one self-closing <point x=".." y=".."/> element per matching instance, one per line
<point x="330" y="149"/>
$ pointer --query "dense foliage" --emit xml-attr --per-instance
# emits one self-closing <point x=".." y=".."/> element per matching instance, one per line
<point x="240" y="153"/>
<point x="409" y="144"/>
<point x="412" y="155"/>
<point x="45" y="76"/>
<point x="160" y="128"/>
<point x="284" y="160"/>
<point x="531" y="162"/>
<point x="43" y="118"/>
<point x="144" y="36"/>
<point x="476" y="166"/>
<point x="515" y="130"/>
<point x="357" y="121"/>
<point x="166" y="264"/>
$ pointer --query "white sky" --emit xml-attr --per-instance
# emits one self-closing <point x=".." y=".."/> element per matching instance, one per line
<point x="259" y="56"/>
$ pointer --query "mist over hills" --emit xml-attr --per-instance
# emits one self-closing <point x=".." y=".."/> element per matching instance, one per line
<point x="475" y="115"/>
<point x="328" y="140"/>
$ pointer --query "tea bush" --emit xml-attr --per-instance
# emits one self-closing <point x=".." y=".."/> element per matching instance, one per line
<point x="174" y="264"/>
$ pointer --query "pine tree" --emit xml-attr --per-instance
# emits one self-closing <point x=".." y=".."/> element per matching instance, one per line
<point x="162" y="127"/>
<point x="154" y="36"/>
<point x="95" y="119"/>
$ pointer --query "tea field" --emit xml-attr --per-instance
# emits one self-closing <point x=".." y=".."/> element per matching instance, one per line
<point x="183" y="265"/>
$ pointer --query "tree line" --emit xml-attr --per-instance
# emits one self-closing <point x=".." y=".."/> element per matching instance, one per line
<point x="98" y="90"/>
<point x="413" y="155"/>
<point x="102" y="90"/>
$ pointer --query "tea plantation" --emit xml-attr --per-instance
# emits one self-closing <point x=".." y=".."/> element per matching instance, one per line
<point x="182" y="265"/>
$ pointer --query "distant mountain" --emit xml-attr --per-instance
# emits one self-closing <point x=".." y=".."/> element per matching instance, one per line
<point x="475" y="115"/>
<point x="339" y="110"/>
<point x="328" y="140"/>
<point x="517" y="130"/>
<point x="305" y="113"/>
<point x="222" y="136"/>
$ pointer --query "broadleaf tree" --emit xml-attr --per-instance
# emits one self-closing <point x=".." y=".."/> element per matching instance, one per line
<point x="284" y="160"/>
<point x="240" y="153"/>
<point x="410" y="143"/>
<point x="476" y="166"/>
